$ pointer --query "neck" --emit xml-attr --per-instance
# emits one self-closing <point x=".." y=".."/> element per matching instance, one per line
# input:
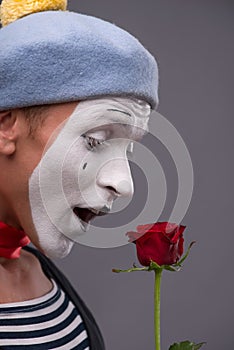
<point x="7" y="213"/>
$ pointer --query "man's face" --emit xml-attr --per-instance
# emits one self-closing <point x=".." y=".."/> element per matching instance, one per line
<point x="83" y="169"/>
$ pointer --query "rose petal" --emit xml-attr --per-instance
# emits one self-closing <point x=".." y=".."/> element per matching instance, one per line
<point x="161" y="242"/>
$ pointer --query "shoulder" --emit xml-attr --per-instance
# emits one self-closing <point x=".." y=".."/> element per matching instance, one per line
<point x="51" y="270"/>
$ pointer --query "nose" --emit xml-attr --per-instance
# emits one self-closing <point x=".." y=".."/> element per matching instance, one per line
<point x="115" y="176"/>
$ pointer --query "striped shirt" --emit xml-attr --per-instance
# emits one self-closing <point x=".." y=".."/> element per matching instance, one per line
<point x="48" y="322"/>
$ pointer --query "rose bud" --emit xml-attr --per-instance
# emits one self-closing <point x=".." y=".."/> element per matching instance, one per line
<point x="161" y="242"/>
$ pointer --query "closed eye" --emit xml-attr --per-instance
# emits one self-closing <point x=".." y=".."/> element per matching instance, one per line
<point x="92" y="143"/>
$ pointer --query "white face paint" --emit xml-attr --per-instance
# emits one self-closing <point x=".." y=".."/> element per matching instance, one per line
<point x="84" y="170"/>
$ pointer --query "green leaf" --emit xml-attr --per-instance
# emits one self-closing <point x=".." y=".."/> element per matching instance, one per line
<point x="186" y="345"/>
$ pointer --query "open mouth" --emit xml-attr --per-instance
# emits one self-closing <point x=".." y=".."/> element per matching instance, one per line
<point x="87" y="214"/>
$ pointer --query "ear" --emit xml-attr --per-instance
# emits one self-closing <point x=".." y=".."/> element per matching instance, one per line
<point x="7" y="132"/>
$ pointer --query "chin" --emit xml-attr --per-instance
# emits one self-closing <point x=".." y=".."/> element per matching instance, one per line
<point x="56" y="248"/>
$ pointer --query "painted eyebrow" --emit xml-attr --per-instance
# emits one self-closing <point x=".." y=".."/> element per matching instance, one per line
<point x="118" y="110"/>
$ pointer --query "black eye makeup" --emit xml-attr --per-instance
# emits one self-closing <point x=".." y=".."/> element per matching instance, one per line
<point x="92" y="143"/>
<point x="95" y="139"/>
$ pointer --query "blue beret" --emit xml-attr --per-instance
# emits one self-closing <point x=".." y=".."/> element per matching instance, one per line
<point x="60" y="56"/>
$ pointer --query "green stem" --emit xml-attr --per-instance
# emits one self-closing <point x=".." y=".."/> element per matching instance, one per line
<point x="157" y="287"/>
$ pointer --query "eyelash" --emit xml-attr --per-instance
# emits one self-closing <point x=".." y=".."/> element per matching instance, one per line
<point x="92" y="142"/>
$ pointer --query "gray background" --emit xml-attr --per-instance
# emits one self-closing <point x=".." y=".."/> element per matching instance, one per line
<point x="193" y="43"/>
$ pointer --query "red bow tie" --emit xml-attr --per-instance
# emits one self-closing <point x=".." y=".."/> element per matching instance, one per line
<point x="11" y="241"/>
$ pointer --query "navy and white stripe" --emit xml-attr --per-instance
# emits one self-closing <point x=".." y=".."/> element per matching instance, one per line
<point x="48" y="322"/>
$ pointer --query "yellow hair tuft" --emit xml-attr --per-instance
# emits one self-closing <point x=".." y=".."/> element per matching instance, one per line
<point x="11" y="10"/>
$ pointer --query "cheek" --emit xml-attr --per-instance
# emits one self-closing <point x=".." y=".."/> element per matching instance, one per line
<point x="81" y="168"/>
<point x="78" y="172"/>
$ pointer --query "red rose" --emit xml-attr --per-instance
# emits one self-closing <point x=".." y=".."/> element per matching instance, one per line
<point x="161" y="242"/>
